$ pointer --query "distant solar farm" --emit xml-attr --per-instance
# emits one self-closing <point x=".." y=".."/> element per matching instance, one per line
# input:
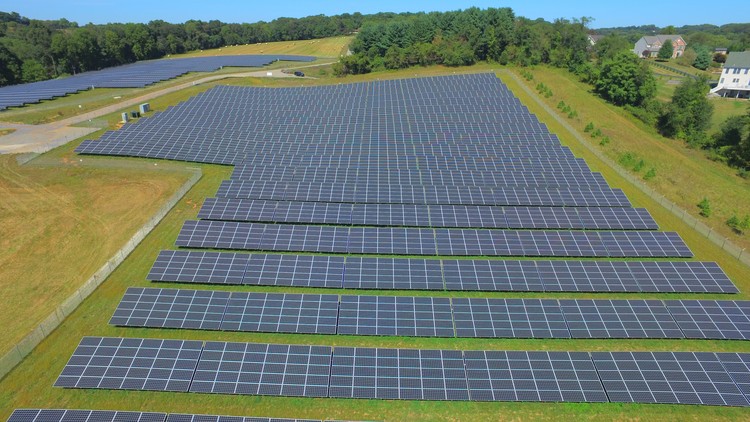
<point x="441" y="184"/>
<point x="136" y="75"/>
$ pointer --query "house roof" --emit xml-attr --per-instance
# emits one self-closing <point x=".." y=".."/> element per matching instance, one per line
<point x="652" y="39"/>
<point x="596" y="37"/>
<point x="738" y="59"/>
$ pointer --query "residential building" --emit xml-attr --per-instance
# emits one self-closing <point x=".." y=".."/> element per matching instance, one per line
<point x="735" y="78"/>
<point x="594" y="38"/>
<point x="650" y="45"/>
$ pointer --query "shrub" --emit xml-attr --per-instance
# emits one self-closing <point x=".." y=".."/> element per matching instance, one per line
<point x="573" y="114"/>
<point x="589" y="127"/>
<point x="561" y="105"/>
<point x="650" y="174"/>
<point x="705" y="208"/>
<point x="639" y="166"/>
<point x="604" y="141"/>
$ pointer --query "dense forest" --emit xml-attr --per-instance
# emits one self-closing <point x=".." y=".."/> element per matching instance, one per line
<point x="33" y="50"/>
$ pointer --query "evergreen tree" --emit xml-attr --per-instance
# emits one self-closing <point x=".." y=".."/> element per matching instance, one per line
<point x="666" y="51"/>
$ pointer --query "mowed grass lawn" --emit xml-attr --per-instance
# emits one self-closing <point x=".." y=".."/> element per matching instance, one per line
<point x="332" y="47"/>
<point x="30" y="385"/>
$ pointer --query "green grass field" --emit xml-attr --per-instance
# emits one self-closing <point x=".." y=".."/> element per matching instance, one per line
<point x="30" y="384"/>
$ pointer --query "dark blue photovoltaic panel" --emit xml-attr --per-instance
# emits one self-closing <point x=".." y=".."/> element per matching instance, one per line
<point x="75" y="415"/>
<point x="712" y="319"/>
<point x="510" y="318"/>
<point x="406" y="374"/>
<point x="667" y="377"/>
<point x="263" y="369"/>
<point x="131" y="364"/>
<point x="532" y="376"/>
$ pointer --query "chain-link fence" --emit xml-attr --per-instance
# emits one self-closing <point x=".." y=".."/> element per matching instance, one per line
<point x="699" y="226"/>
<point x="28" y="343"/>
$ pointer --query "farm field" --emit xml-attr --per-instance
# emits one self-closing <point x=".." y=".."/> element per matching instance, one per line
<point x="45" y="363"/>
<point x="332" y="47"/>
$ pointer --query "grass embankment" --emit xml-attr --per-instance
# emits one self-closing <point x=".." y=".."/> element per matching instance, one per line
<point x="332" y="47"/>
<point x="30" y="385"/>
<point x="683" y="175"/>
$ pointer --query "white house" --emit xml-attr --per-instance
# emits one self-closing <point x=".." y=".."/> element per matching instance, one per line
<point x="735" y="78"/>
<point x="650" y="45"/>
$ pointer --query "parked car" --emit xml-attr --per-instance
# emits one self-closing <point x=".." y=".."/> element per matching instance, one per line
<point x="298" y="73"/>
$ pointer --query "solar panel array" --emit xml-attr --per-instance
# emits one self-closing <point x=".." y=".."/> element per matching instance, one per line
<point x="457" y="216"/>
<point x="379" y="273"/>
<point x="449" y="167"/>
<point x="432" y="316"/>
<point x="75" y="415"/>
<point x="424" y="241"/>
<point x="409" y="374"/>
<point x="135" y="75"/>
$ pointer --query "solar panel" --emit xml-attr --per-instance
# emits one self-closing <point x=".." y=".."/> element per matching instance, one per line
<point x="532" y="376"/>
<point x="712" y="319"/>
<point x="281" y="313"/>
<point x="405" y="374"/>
<point x="171" y="308"/>
<point x="737" y="366"/>
<point x="74" y="415"/>
<point x="667" y="377"/>
<point x="395" y="316"/>
<point x="175" y="417"/>
<point x="131" y="364"/>
<point x="199" y="267"/>
<point x="263" y="369"/>
<point x="295" y="270"/>
<point x="510" y="318"/>
<point x="392" y="273"/>
<point x="602" y="318"/>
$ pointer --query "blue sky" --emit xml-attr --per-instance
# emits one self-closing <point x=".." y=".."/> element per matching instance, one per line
<point x="605" y="13"/>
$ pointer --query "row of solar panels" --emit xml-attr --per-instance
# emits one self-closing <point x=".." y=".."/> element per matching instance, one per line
<point x="422" y="241"/>
<point x="522" y="179"/>
<point x="411" y="215"/>
<point x="432" y="316"/>
<point x="136" y="75"/>
<point x="409" y="374"/>
<point x="79" y="415"/>
<point x="365" y="193"/>
<point x="378" y="273"/>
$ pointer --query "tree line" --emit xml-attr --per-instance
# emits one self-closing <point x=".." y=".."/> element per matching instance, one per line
<point x="463" y="37"/>
<point x="33" y="50"/>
